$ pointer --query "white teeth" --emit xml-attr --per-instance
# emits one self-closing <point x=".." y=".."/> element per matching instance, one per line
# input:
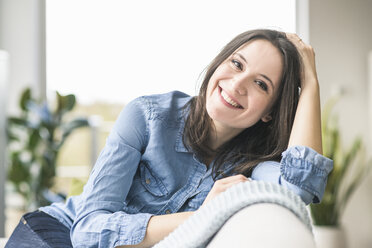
<point x="229" y="100"/>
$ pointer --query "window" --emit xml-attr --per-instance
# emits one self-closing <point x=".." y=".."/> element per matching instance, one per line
<point x="114" y="50"/>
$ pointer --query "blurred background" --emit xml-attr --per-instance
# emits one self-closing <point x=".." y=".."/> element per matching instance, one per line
<point x="108" y="52"/>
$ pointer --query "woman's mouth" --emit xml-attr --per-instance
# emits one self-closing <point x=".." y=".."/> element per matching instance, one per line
<point x="228" y="101"/>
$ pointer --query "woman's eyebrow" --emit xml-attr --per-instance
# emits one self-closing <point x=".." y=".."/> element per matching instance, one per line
<point x="262" y="75"/>
<point x="268" y="79"/>
<point x="241" y="56"/>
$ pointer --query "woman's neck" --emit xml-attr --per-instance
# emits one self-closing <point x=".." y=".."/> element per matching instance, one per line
<point x="221" y="134"/>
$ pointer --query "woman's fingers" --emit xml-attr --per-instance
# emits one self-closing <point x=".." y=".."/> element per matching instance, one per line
<point x="304" y="49"/>
<point x="238" y="177"/>
<point x="296" y="40"/>
<point x="308" y="58"/>
<point x="223" y="184"/>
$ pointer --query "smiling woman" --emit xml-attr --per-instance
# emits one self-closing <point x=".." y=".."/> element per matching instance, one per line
<point x="169" y="154"/>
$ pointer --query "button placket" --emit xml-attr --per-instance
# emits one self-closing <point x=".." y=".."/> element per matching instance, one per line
<point x="183" y="194"/>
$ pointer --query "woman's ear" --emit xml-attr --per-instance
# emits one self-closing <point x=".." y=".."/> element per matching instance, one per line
<point x="266" y="118"/>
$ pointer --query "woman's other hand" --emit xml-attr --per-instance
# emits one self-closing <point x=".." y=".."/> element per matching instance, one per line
<point x="223" y="184"/>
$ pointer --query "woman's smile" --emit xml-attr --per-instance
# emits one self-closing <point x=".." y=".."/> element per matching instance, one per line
<point x="228" y="101"/>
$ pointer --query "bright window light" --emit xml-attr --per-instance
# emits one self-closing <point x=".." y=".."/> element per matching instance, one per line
<point x="115" y="50"/>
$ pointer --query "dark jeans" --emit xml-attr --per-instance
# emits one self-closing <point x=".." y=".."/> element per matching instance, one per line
<point x="38" y="229"/>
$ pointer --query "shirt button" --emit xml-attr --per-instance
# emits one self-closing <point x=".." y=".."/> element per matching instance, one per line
<point x="168" y="211"/>
<point x="148" y="181"/>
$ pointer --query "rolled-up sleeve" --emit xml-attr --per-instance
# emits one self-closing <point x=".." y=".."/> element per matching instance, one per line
<point x="100" y="220"/>
<point x="301" y="169"/>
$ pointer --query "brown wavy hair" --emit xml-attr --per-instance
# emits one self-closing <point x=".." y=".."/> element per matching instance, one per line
<point x="264" y="140"/>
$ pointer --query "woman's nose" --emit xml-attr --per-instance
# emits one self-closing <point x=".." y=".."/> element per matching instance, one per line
<point x="239" y="85"/>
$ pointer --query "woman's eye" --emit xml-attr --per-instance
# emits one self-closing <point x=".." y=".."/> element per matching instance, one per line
<point x="237" y="64"/>
<point x="262" y="85"/>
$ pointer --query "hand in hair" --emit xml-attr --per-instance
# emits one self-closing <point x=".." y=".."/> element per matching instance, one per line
<point x="309" y="75"/>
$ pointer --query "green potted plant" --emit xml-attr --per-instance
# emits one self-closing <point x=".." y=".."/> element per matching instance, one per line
<point x="350" y="168"/>
<point x="34" y="140"/>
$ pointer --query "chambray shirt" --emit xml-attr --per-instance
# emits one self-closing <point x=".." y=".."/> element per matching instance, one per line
<point x="146" y="170"/>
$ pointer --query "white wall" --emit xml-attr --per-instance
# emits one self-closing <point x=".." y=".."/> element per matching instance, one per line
<point x="370" y="95"/>
<point x="4" y="57"/>
<point x="340" y="32"/>
<point x="22" y="35"/>
<point x="3" y="79"/>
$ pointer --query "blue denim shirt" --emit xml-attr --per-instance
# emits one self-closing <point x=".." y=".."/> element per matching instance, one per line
<point x="146" y="170"/>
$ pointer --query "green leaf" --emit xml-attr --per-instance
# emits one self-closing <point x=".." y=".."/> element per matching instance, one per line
<point x="10" y="136"/>
<point x="48" y="170"/>
<point x="18" y="171"/>
<point x="59" y="102"/>
<point x="350" y="156"/>
<point x="323" y="214"/>
<point x="17" y="121"/>
<point x="65" y="103"/>
<point x="33" y="139"/>
<point x="69" y="102"/>
<point x="25" y="97"/>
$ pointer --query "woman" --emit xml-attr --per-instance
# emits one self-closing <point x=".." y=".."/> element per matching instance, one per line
<point x="169" y="154"/>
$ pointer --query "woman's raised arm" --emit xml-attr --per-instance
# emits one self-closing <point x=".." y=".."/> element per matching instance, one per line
<point x="306" y="130"/>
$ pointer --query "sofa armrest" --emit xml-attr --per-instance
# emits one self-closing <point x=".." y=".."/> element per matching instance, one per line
<point x="3" y="242"/>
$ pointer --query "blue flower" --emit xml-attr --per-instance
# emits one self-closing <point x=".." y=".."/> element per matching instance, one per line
<point x="42" y="112"/>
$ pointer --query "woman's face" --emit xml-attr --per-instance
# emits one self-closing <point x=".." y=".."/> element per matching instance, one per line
<point x="243" y="88"/>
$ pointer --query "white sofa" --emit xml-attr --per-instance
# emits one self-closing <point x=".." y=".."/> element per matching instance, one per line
<point x="2" y="242"/>
<point x="271" y="224"/>
<point x="252" y="214"/>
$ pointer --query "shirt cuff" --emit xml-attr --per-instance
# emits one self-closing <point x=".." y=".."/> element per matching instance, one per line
<point x="133" y="229"/>
<point x="269" y="171"/>
<point x="110" y="230"/>
<point x="306" y="169"/>
<point x="306" y="197"/>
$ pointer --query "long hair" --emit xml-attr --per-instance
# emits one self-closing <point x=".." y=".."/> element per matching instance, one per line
<point x="264" y="140"/>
